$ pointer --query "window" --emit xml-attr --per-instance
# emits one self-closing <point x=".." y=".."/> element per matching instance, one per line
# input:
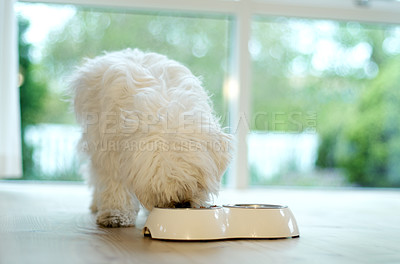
<point x="198" y="41"/>
<point x="293" y="83"/>
<point x="312" y="80"/>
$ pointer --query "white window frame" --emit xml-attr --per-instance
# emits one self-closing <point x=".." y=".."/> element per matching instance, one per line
<point x="10" y="134"/>
<point x="377" y="11"/>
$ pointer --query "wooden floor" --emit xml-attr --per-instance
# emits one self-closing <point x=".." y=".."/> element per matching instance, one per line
<point x="51" y="223"/>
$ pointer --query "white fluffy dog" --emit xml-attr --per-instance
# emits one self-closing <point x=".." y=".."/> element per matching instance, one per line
<point x="150" y="134"/>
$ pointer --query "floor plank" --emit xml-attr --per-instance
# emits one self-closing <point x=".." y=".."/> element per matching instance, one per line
<point x="51" y="223"/>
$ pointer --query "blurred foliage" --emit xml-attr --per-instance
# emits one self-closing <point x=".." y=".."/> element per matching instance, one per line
<point x="33" y="93"/>
<point x="199" y="42"/>
<point x="33" y="90"/>
<point x="369" y="145"/>
<point x="305" y="66"/>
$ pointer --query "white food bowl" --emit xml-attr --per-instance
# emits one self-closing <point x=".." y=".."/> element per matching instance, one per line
<point x="222" y="222"/>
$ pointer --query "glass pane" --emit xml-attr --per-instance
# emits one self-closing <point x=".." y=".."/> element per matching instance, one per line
<point x="50" y="52"/>
<point x="325" y="99"/>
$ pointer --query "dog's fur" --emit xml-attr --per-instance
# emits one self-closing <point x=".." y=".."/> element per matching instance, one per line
<point x="150" y="134"/>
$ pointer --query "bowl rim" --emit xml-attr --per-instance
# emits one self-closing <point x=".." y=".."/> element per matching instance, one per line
<point x="213" y="207"/>
<point x="256" y="206"/>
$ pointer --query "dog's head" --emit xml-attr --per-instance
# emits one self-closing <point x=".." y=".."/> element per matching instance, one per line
<point x="179" y="170"/>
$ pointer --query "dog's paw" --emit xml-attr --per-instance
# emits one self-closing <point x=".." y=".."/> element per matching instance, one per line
<point x="115" y="218"/>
